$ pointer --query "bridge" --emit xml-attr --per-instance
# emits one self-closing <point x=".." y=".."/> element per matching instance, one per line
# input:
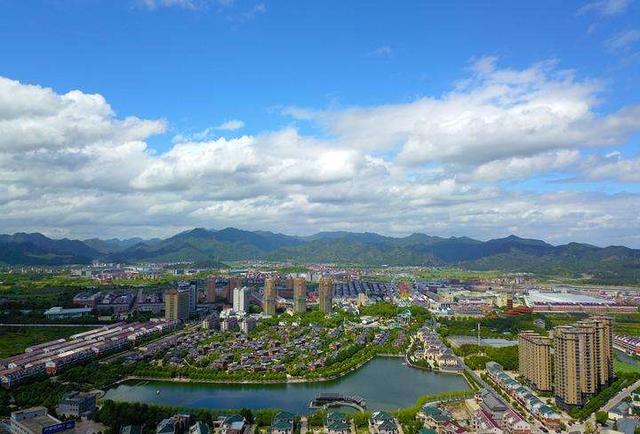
<point x="325" y="400"/>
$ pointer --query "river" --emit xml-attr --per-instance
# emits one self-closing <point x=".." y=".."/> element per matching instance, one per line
<point x="385" y="383"/>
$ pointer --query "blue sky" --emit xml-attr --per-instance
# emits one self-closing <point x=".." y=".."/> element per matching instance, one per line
<point x="301" y="82"/>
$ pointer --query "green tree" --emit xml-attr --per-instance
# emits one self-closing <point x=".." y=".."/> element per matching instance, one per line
<point x="602" y="417"/>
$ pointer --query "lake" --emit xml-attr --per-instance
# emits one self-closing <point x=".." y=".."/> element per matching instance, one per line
<point x="385" y="383"/>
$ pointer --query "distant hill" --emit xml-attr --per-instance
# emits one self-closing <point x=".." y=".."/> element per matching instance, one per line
<point x="35" y="248"/>
<point x="614" y="264"/>
<point x="202" y="244"/>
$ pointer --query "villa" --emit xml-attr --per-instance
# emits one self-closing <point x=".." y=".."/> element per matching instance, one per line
<point x="336" y="423"/>
<point x="282" y="423"/>
<point x="382" y="422"/>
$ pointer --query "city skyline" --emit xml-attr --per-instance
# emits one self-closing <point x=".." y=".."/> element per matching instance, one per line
<point x="297" y="119"/>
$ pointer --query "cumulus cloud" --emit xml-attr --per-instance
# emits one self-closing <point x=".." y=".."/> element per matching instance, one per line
<point x="33" y="118"/>
<point x="495" y="114"/>
<point x="70" y="166"/>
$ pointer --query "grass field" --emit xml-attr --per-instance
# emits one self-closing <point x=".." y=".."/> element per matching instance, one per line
<point x="624" y="363"/>
<point x="620" y="366"/>
<point x="14" y="340"/>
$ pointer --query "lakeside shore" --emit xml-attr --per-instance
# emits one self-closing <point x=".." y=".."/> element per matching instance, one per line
<point x="289" y="380"/>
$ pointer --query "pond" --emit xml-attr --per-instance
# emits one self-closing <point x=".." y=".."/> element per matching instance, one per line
<point x="385" y="383"/>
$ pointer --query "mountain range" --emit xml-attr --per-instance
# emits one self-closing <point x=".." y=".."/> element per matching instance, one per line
<point x="613" y="264"/>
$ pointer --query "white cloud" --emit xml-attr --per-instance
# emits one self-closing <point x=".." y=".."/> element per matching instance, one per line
<point x="384" y="51"/>
<point x="254" y="11"/>
<point x="606" y="7"/>
<point x="495" y="114"/>
<point x="231" y="125"/>
<point x="34" y="118"/>
<point x="612" y="167"/>
<point x="623" y="41"/>
<point x="70" y="166"/>
<point x="154" y="4"/>
<point x="517" y="168"/>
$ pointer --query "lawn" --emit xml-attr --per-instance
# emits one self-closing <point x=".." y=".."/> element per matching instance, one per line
<point x="622" y="366"/>
<point x="14" y="340"/>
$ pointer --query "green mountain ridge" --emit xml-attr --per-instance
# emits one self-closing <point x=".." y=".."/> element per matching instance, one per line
<point x="614" y="264"/>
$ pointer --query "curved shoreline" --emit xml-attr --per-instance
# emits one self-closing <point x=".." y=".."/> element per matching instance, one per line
<point x="291" y="380"/>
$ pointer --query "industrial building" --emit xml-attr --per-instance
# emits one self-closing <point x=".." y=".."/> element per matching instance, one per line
<point x="58" y="312"/>
<point x="37" y="420"/>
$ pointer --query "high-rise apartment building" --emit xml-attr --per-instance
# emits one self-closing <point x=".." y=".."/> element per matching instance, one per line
<point x="176" y="304"/>
<point x="241" y="300"/>
<point x="325" y="295"/>
<point x="211" y="288"/>
<point x="233" y="283"/>
<point x="583" y="360"/>
<point x="191" y="289"/>
<point x="299" y="295"/>
<point x="604" y="349"/>
<point x="534" y="360"/>
<point x="269" y="299"/>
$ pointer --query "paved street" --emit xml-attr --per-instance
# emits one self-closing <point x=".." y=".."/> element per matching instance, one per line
<point x="620" y="396"/>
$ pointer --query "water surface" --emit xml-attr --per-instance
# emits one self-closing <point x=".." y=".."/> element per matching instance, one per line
<point x="385" y="383"/>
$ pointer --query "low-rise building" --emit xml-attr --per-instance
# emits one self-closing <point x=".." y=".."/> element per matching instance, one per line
<point x="524" y="396"/>
<point x="234" y="424"/>
<point x="248" y="324"/>
<point x="382" y="422"/>
<point x="211" y="322"/>
<point x="336" y="423"/>
<point x="485" y="423"/>
<point x="58" y="312"/>
<point x="282" y="423"/>
<point x="166" y="426"/>
<point x="131" y="429"/>
<point x="175" y="424"/>
<point x="37" y="420"/>
<point x="494" y="408"/>
<point x="77" y="404"/>
<point x="199" y="428"/>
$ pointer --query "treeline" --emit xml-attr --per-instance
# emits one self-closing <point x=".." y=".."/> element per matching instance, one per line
<point x="44" y="392"/>
<point x="117" y="414"/>
<point x="596" y="402"/>
<point x="95" y="375"/>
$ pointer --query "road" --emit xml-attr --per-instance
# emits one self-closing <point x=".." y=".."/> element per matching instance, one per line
<point x="536" y="426"/>
<point x="620" y="396"/>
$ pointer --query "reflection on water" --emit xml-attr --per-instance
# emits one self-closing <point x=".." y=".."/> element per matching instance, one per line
<point x="385" y="383"/>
